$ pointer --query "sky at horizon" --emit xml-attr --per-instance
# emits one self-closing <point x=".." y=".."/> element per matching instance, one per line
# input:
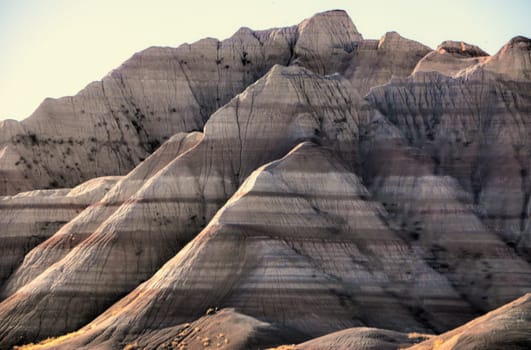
<point x="54" y="48"/>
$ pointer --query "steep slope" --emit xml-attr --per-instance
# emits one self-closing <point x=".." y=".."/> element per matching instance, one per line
<point x="423" y="240"/>
<point x="505" y="328"/>
<point x="375" y="62"/>
<point x="288" y="105"/>
<point x="439" y="219"/>
<point x="31" y="217"/>
<point x="79" y="228"/>
<point x="115" y="123"/>
<point x="325" y="43"/>
<point x="475" y="129"/>
<point x="511" y="63"/>
<point x="309" y="258"/>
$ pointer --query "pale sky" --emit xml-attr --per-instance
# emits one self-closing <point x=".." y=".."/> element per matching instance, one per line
<point x="53" y="48"/>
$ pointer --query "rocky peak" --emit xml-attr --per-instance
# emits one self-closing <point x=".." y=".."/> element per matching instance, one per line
<point x="451" y="58"/>
<point x="337" y="21"/>
<point x="460" y="48"/>
<point x="512" y="62"/>
<point x="394" y="41"/>
<point x="520" y="42"/>
<point x="326" y="41"/>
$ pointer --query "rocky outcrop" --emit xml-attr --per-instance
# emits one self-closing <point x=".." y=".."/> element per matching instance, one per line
<point x="29" y="218"/>
<point x="376" y="62"/>
<point x="325" y="43"/>
<point x="451" y="57"/>
<point x="112" y="124"/>
<point x="288" y="105"/>
<point x="511" y="63"/>
<point x="115" y="123"/>
<point x="324" y="250"/>
<point x="473" y="128"/>
<point x="223" y="329"/>
<point x="301" y="209"/>
<point x="504" y="328"/>
<point x="79" y="228"/>
<point x="439" y="219"/>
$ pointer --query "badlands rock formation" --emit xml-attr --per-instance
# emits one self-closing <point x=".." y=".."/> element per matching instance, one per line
<point x="324" y="250"/>
<point x="28" y="218"/>
<point x="113" y="124"/>
<point x="315" y="181"/>
<point x="451" y="57"/>
<point x="359" y="338"/>
<point x="224" y="329"/>
<point x="262" y="124"/>
<point x="505" y="328"/>
<point x="80" y="227"/>
<point x="474" y="129"/>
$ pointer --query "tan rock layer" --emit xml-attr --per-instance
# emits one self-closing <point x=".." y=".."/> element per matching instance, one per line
<point x="79" y="228"/>
<point x="288" y="105"/>
<point x="29" y="218"/>
<point x="310" y="258"/>
<point x="507" y="327"/>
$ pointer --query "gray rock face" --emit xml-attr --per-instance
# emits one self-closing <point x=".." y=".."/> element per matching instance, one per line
<point x="451" y="57"/>
<point x="263" y="123"/>
<point x="325" y="43"/>
<point x="112" y="124"/>
<point x="29" y="218"/>
<point x="325" y="250"/>
<point x="376" y="62"/>
<point x="301" y="208"/>
<point x="439" y="219"/>
<point x="511" y="63"/>
<point x="473" y="128"/>
<point x="79" y="228"/>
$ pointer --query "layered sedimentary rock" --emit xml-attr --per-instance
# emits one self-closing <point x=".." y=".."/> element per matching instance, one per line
<point x="79" y="228"/>
<point x="407" y="210"/>
<point x="113" y="124"/>
<point x="451" y="57"/>
<point x="374" y="62"/>
<point x="324" y="251"/>
<point x="359" y="338"/>
<point x="438" y="218"/>
<point x="474" y="127"/>
<point x="504" y="328"/>
<point x="507" y="327"/>
<point x="223" y="329"/>
<point x="325" y="43"/>
<point x="28" y="218"/>
<point x="511" y="63"/>
<point x="288" y="105"/>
